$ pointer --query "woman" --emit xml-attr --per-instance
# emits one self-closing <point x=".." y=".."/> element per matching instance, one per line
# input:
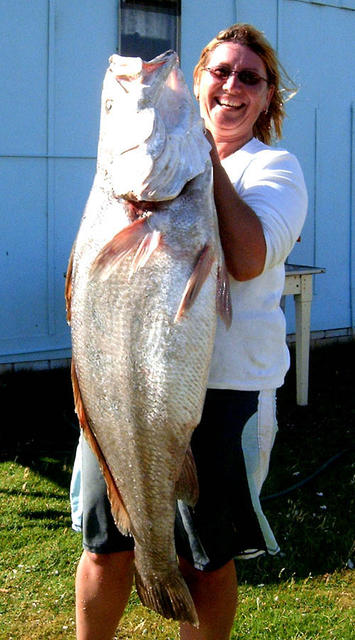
<point x="261" y="203"/>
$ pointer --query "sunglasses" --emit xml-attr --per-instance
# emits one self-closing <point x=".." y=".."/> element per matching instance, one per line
<point x="246" y="76"/>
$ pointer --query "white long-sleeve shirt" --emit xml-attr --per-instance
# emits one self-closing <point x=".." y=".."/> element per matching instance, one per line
<point x="252" y="354"/>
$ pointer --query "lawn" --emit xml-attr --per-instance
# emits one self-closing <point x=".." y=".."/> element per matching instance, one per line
<point x="307" y="592"/>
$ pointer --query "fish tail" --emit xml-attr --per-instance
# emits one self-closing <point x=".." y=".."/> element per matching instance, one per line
<point x="119" y="512"/>
<point x="137" y="236"/>
<point x="200" y="272"/>
<point x="223" y="297"/>
<point x="170" y="597"/>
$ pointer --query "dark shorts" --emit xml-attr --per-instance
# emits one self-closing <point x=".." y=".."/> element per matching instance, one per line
<point x="223" y="523"/>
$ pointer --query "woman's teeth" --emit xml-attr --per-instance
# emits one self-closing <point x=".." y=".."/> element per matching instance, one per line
<point x="225" y="103"/>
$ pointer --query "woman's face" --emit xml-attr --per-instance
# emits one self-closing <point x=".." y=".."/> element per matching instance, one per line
<point x="228" y="106"/>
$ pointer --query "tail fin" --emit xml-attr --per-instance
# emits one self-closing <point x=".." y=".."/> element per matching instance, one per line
<point x="170" y="598"/>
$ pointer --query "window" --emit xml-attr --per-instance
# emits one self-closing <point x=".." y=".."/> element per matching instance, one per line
<point x="149" y="27"/>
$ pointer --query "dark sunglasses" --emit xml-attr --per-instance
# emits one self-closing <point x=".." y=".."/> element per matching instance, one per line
<point x="247" y="77"/>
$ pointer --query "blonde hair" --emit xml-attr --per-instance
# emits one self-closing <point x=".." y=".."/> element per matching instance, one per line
<point x="268" y="124"/>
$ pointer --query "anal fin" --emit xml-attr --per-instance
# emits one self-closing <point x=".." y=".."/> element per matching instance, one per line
<point x="187" y="484"/>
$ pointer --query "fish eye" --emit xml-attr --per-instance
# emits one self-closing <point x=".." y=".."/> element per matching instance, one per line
<point x="108" y="104"/>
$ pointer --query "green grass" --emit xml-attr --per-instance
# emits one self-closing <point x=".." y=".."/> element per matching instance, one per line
<point x="38" y="554"/>
<point x="305" y="593"/>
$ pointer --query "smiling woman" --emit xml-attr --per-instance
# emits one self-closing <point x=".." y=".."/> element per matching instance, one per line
<point x="233" y="92"/>
<point x="269" y="122"/>
<point x="261" y="203"/>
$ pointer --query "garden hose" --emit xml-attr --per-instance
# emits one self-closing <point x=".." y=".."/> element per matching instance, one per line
<point x="301" y="483"/>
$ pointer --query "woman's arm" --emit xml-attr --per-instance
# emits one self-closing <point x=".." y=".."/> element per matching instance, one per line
<point x="240" y="229"/>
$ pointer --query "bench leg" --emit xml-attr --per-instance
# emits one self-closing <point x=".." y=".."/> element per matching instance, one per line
<point x="303" y="302"/>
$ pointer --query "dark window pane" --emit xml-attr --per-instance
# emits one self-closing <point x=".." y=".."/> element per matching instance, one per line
<point x="149" y="27"/>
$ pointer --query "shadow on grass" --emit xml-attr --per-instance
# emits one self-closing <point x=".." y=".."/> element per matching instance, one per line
<point x="313" y="523"/>
<point x="8" y="493"/>
<point x="41" y="427"/>
<point x="51" y="518"/>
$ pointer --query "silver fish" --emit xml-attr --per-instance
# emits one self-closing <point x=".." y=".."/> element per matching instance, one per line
<point x="145" y="280"/>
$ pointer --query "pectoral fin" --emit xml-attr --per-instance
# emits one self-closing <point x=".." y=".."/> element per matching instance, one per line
<point x="138" y="237"/>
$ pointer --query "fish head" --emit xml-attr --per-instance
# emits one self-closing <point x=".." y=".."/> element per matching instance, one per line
<point x="148" y="128"/>
<point x="131" y="88"/>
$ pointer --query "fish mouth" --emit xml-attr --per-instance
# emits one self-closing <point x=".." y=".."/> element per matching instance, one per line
<point x="162" y="58"/>
<point x="127" y="69"/>
<point x="156" y="73"/>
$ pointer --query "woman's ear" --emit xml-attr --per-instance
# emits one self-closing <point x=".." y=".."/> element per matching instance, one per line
<point x="270" y="93"/>
<point x="197" y="89"/>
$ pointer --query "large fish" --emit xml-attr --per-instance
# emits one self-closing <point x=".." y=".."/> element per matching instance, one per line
<point x="145" y="278"/>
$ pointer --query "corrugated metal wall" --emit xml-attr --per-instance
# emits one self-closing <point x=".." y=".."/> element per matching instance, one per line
<point x="54" y="54"/>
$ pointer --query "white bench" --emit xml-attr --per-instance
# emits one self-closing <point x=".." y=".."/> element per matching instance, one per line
<point x="299" y="283"/>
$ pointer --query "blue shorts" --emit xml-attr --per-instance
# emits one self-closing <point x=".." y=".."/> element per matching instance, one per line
<point x="224" y="523"/>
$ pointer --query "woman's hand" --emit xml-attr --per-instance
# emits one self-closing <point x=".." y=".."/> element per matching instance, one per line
<point x="214" y="151"/>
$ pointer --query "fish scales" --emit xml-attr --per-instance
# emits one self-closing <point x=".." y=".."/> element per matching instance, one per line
<point x="142" y="337"/>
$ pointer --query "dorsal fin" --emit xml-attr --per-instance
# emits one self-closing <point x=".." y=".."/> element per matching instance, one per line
<point x="68" y="285"/>
<point x="119" y="511"/>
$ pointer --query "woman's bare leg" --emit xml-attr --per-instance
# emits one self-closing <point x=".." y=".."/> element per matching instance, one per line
<point x="103" y="586"/>
<point x="215" y="596"/>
